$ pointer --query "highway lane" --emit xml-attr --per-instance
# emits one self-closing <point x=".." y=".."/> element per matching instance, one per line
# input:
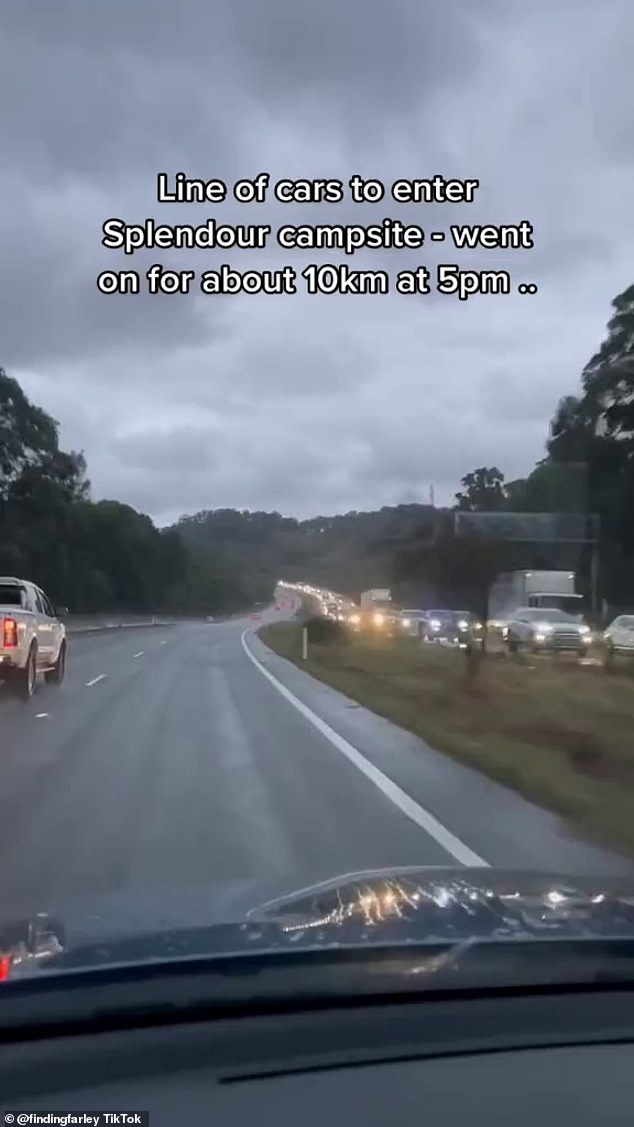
<point x="168" y="762"/>
<point x="182" y="766"/>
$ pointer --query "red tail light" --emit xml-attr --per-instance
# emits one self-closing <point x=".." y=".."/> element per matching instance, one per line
<point x="9" y="633"/>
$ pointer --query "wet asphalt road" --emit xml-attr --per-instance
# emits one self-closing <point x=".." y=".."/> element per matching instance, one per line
<point x="169" y="763"/>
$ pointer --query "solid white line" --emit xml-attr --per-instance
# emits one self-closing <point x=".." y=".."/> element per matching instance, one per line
<point x="407" y="805"/>
<point x="140" y="653"/>
<point x="40" y="715"/>
<point x="96" y="680"/>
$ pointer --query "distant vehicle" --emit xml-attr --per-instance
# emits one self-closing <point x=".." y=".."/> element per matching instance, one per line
<point x="539" y="629"/>
<point x="412" y="620"/>
<point x="619" y="636"/>
<point x="32" y="637"/>
<point x="377" y="598"/>
<point x="456" y="627"/>
<point x="377" y="612"/>
<point x="554" y="590"/>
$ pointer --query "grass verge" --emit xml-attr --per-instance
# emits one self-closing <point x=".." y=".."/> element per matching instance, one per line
<point x="561" y="735"/>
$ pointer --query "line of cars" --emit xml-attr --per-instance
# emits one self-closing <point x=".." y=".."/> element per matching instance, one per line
<point x="535" y="629"/>
<point x="451" y="627"/>
<point x="549" y="630"/>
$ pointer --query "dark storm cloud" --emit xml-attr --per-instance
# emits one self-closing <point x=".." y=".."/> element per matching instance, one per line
<point x="51" y="307"/>
<point x="308" y="404"/>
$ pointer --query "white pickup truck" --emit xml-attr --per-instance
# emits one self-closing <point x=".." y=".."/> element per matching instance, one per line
<point x="32" y="637"/>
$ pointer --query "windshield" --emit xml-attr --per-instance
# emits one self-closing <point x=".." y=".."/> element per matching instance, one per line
<point x="311" y="312"/>
<point x="572" y="604"/>
<point x="11" y="595"/>
<point x="545" y="614"/>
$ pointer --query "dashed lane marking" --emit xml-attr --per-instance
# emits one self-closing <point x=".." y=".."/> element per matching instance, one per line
<point x="96" y="680"/>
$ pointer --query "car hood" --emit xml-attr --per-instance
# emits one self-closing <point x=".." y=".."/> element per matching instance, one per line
<point x="396" y="906"/>
<point x="565" y="627"/>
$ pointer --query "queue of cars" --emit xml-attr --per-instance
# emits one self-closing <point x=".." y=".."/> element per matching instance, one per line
<point x="534" y="630"/>
<point x="544" y="629"/>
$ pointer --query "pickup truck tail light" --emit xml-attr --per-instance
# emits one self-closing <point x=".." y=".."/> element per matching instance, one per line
<point x="9" y="633"/>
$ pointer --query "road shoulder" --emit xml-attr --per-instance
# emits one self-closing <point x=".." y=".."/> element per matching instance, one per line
<point x="498" y="824"/>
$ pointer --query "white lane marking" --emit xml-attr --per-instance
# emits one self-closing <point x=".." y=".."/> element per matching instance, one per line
<point x="163" y="643"/>
<point x="140" y="653"/>
<point x="40" y="715"/>
<point x="96" y="680"/>
<point x="448" y="841"/>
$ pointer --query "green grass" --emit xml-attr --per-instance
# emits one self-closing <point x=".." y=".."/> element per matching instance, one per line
<point x="560" y="734"/>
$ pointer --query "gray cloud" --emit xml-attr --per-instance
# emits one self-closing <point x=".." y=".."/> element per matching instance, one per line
<point x="321" y="403"/>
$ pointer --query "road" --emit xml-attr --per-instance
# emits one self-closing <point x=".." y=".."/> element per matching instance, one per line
<point x="171" y="763"/>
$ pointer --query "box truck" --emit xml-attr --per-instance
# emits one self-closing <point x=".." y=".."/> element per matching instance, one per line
<point x="513" y="589"/>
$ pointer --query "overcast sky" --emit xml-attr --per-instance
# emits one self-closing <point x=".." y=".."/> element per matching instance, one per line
<point x="309" y="404"/>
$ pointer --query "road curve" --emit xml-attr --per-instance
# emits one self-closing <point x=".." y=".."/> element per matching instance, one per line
<point x="189" y="757"/>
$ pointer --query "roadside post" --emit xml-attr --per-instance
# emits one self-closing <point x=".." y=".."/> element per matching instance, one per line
<point x="304" y="643"/>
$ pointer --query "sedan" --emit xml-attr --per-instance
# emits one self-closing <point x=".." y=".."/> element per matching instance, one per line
<point x="619" y="636"/>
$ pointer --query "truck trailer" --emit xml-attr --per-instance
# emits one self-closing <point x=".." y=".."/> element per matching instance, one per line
<point x="377" y="598"/>
<point x="552" y="589"/>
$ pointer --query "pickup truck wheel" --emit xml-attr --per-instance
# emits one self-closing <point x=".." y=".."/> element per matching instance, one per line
<point x="24" y="679"/>
<point x="55" y="676"/>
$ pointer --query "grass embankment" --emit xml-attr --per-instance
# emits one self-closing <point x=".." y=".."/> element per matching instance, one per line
<point x="560" y="734"/>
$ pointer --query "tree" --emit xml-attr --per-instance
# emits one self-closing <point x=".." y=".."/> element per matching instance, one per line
<point x="27" y="434"/>
<point x="594" y="431"/>
<point x="459" y="569"/>
<point x="483" y="491"/>
<point x="608" y="378"/>
<point x="552" y="487"/>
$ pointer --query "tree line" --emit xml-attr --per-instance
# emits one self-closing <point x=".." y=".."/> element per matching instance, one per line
<point x="94" y="556"/>
<point x="104" y="555"/>
<point x="588" y="466"/>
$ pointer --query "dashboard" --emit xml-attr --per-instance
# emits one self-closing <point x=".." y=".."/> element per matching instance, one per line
<point x="541" y="1058"/>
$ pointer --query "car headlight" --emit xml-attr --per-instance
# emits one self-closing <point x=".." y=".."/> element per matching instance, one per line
<point x="463" y="624"/>
<point x="585" y="630"/>
<point x="406" y="622"/>
<point x="435" y="624"/>
<point x="378" y="619"/>
<point x="354" y="618"/>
